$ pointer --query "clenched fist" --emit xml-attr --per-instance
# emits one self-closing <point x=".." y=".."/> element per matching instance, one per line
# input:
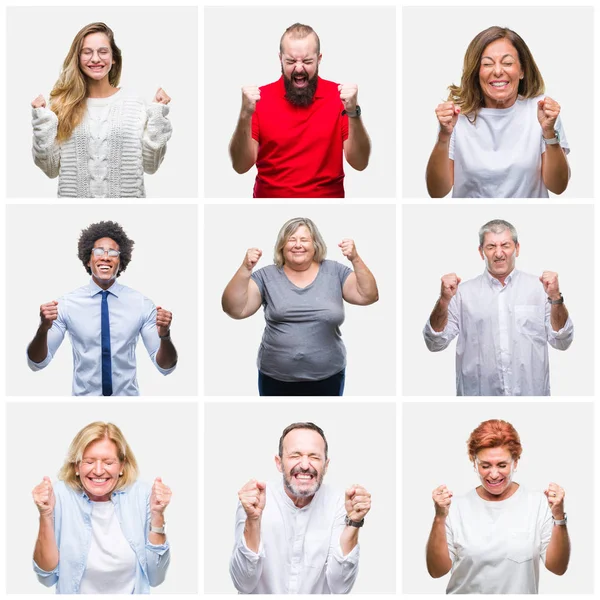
<point x="549" y="280"/>
<point x="39" y="102"/>
<point x="161" y="97"/>
<point x="349" y="96"/>
<point x="447" y="115"/>
<point x="159" y="497"/>
<point x="48" y="314"/>
<point x="357" y="502"/>
<point x="163" y="321"/>
<point x="253" y="497"/>
<point x="250" y="96"/>
<point x="556" y="500"/>
<point x="252" y="257"/>
<point x="43" y="496"/>
<point x="547" y="113"/>
<point x="449" y="286"/>
<point x="442" y="498"/>
<point x="348" y="249"/>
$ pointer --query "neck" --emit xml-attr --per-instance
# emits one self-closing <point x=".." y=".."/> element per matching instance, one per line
<point x="103" y="283"/>
<point x="500" y="103"/>
<point x="502" y="279"/>
<point x="100" y="89"/>
<point x="299" y="268"/>
<point x="299" y="501"/>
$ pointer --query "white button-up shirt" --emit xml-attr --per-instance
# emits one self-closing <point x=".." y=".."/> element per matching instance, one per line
<point x="299" y="550"/>
<point x="131" y="315"/>
<point x="503" y="336"/>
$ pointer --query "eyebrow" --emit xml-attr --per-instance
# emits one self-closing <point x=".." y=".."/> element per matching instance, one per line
<point x="503" y="57"/>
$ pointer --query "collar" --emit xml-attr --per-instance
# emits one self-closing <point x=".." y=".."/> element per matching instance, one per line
<point x="495" y="282"/>
<point x="95" y="289"/>
<point x="319" y="93"/>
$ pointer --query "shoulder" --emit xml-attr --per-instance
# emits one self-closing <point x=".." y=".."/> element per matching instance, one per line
<point x="471" y="284"/>
<point x="528" y="279"/>
<point x="328" y="86"/>
<point x="334" y="267"/>
<point x="79" y="292"/>
<point x="268" y="272"/>
<point x="271" y="88"/>
<point x="138" y="490"/>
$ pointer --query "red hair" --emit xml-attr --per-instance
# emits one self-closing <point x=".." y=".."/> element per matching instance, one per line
<point x="494" y="434"/>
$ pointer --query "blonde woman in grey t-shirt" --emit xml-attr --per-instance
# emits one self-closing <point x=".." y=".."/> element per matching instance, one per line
<point x="302" y="352"/>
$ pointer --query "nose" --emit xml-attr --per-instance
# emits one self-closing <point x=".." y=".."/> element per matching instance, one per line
<point x="305" y="463"/>
<point x="98" y="467"/>
<point x="494" y="473"/>
<point x="497" y="69"/>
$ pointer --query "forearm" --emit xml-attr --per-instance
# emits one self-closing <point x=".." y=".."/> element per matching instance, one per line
<point x="45" y="553"/>
<point x="157" y="539"/>
<point x="348" y="539"/>
<point x="242" y="146"/>
<point x="558" y="316"/>
<point x="439" y="175"/>
<point x="252" y="534"/>
<point x="166" y="356"/>
<point x="156" y="135"/>
<point x="439" y="315"/>
<point x="365" y="282"/>
<point x="235" y="296"/>
<point x="38" y="348"/>
<point x="437" y="555"/>
<point x="559" y="550"/>
<point x="359" y="145"/>
<point x="555" y="169"/>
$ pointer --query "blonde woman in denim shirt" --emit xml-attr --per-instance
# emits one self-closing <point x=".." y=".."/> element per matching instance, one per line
<point x="101" y="531"/>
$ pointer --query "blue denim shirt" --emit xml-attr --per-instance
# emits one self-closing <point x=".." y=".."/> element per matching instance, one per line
<point x="73" y="532"/>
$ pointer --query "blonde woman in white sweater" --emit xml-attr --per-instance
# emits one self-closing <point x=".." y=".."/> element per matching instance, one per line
<point x="97" y="139"/>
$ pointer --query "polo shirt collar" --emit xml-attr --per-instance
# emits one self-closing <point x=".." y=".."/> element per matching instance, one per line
<point x="493" y="282"/>
<point x="95" y="289"/>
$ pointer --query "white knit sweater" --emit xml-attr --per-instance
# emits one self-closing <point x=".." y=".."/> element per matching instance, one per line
<point x="118" y="140"/>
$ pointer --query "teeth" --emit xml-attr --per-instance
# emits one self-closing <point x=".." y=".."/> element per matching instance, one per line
<point x="304" y="476"/>
<point x="99" y="480"/>
<point x="502" y="84"/>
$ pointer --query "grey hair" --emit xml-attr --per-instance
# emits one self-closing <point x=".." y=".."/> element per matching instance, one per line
<point x="290" y="227"/>
<point x="497" y="226"/>
<point x="302" y="425"/>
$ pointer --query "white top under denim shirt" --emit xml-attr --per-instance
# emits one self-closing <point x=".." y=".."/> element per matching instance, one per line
<point x="131" y="315"/>
<point x="73" y="532"/>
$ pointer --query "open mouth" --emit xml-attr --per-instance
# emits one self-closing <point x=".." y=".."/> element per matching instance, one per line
<point x="98" y="480"/>
<point x="300" y="80"/>
<point x="495" y="484"/>
<point x="104" y="268"/>
<point x="499" y="84"/>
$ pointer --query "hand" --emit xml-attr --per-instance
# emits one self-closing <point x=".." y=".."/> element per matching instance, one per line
<point x="348" y="96"/>
<point x="48" y="314"/>
<point x="547" y="113"/>
<point x="449" y="286"/>
<point x="447" y="115"/>
<point x="442" y="498"/>
<point x="253" y="497"/>
<point x="549" y="280"/>
<point x="43" y="496"/>
<point x="161" y="97"/>
<point x="38" y="102"/>
<point x="556" y="500"/>
<point x="250" y="96"/>
<point x="357" y="503"/>
<point x="252" y="257"/>
<point x="163" y="321"/>
<point x="348" y="249"/>
<point x="159" y="497"/>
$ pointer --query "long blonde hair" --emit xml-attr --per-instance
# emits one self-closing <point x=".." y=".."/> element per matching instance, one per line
<point x="67" y="98"/>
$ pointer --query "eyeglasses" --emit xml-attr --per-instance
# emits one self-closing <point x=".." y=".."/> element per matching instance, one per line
<point x="101" y="252"/>
<point x="88" y="53"/>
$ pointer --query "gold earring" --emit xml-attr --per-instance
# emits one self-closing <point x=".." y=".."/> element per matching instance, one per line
<point x="76" y="474"/>
<point x="121" y="474"/>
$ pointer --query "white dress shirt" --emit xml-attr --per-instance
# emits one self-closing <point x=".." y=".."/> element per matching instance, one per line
<point x="299" y="550"/>
<point x="496" y="547"/>
<point x="503" y="336"/>
<point x="130" y="315"/>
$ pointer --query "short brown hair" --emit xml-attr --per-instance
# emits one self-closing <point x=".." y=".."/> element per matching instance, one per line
<point x="494" y="434"/>
<point x="302" y="425"/>
<point x="299" y="31"/>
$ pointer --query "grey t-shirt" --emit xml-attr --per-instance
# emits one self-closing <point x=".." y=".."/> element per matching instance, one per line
<point x="302" y="339"/>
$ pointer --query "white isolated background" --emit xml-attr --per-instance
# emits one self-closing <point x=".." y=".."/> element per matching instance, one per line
<point x="42" y="264"/>
<point x="440" y="239"/>
<point x="154" y="41"/>
<point x="231" y="346"/>
<point x="248" y="451"/>
<point x="434" y="42"/>
<point x="241" y="46"/>
<point x="164" y="440"/>
<point x="557" y="440"/>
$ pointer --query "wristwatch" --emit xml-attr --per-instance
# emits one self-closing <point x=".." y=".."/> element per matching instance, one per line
<point x="354" y="523"/>
<point x="159" y="529"/>
<point x="165" y="337"/>
<point x="552" y="141"/>
<point x="561" y="300"/>
<point x="353" y="115"/>
<point x="560" y="521"/>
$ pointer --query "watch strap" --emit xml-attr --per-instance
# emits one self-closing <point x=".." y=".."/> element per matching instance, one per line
<point x="161" y="530"/>
<point x="353" y="115"/>
<point x="351" y="523"/>
<point x="552" y="141"/>
<point x="562" y="521"/>
<point x="561" y="300"/>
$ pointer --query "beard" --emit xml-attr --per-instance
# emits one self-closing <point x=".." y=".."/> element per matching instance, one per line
<point x="300" y="96"/>
<point x="306" y="492"/>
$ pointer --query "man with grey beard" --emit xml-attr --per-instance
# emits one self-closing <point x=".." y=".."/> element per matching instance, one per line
<point x="298" y="536"/>
<point x="298" y="129"/>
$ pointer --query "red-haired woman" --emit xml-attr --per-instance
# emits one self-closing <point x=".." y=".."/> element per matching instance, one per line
<point x="494" y="537"/>
<point x="97" y="139"/>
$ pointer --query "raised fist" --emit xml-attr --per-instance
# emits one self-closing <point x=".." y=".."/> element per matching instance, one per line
<point x="348" y="249"/>
<point x="43" y="496"/>
<point x="159" y="497"/>
<point x="447" y="115"/>
<point x="547" y="113"/>
<point x="449" y="286"/>
<point x="253" y="497"/>
<point x="48" y="314"/>
<point x="442" y="498"/>
<point x="349" y="96"/>
<point x="250" y="96"/>
<point x="357" y="502"/>
<point x="549" y="280"/>
<point x="252" y="257"/>
<point x="556" y="500"/>
<point x="161" y="97"/>
<point x="38" y="102"/>
<point x="163" y="321"/>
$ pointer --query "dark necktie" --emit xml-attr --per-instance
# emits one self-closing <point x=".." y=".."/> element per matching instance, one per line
<point x="105" y="332"/>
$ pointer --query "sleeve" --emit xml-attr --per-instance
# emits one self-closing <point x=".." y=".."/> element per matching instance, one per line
<point x="450" y="539"/>
<point x="50" y="578"/>
<point x="245" y="566"/>
<point x="56" y="335"/>
<point x="341" y="571"/>
<point x="259" y="278"/>
<point x="343" y="272"/>
<point x="46" y="150"/>
<point x="150" y="337"/>
<point x="158" y="556"/>
<point x="562" y="338"/>
<point x="255" y="128"/>
<point x="157" y="133"/>
<point x="439" y="340"/>
<point x="547" y="524"/>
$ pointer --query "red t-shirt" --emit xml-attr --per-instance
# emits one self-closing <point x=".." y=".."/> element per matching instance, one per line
<point x="300" y="148"/>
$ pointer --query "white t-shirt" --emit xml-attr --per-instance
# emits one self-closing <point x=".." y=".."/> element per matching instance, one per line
<point x="496" y="547"/>
<point x="111" y="561"/>
<point x="500" y="155"/>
